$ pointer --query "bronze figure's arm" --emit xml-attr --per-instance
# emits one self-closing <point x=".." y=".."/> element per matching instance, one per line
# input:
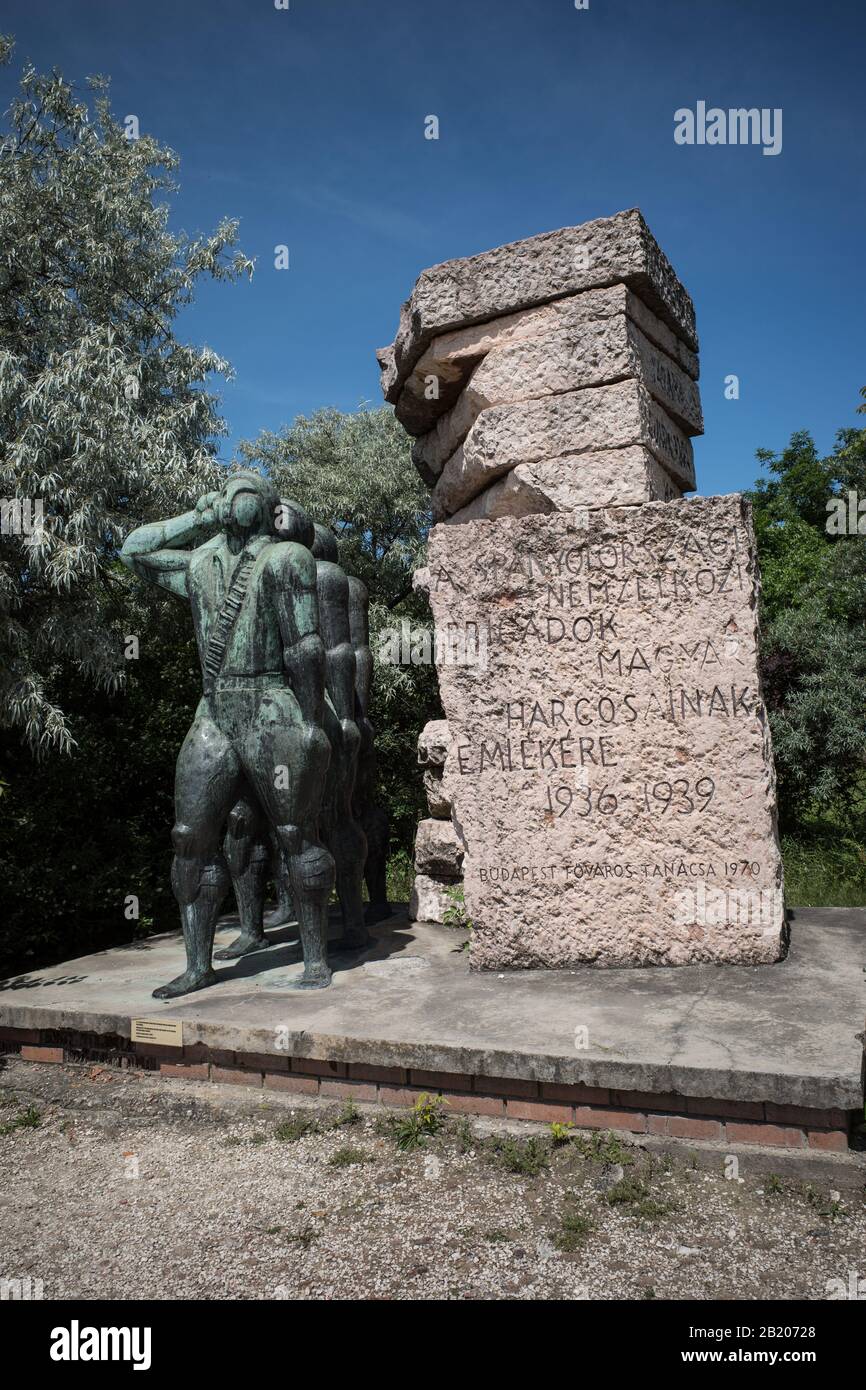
<point x="298" y="612"/>
<point x="359" y="626"/>
<point x="160" y="551"/>
<point x="333" y="590"/>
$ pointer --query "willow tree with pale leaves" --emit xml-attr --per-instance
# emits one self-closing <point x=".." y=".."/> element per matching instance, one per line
<point x="105" y="420"/>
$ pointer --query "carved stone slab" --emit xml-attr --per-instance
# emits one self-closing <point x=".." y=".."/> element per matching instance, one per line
<point x="610" y="769"/>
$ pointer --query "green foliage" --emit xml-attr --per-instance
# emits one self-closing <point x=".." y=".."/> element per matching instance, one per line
<point x="573" y="1230"/>
<point x="603" y="1146"/>
<point x="354" y="473"/>
<point x="347" y="1157"/>
<point x="103" y="414"/>
<point x="296" y="1127"/>
<point x="456" y="915"/>
<point x="632" y="1192"/>
<point x="825" y="863"/>
<point x="81" y="834"/>
<point x="26" y="1119"/>
<point x="349" y="1114"/>
<point x="528" y="1157"/>
<point x="560" y="1134"/>
<point x="412" y="1128"/>
<point x="813" y="613"/>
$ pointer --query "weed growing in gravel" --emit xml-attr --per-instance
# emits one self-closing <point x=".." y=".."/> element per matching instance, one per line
<point x="27" y="1119"/>
<point x="496" y="1236"/>
<point x="774" y="1185"/>
<point x="830" y="1208"/>
<point x="602" y="1147"/>
<point x="295" y="1128"/>
<point x="526" y="1156"/>
<point x="573" y="1231"/>
<point x="347" y="1155"/>
<point x="560" y="1133"/>
<point x="632" y="1192"/>
<point x="348" y="1115"/>
<point x="410" y="1129"/>
<point x="464" y="1136"/>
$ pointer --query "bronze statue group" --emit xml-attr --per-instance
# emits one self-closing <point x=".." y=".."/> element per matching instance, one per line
<point x="276" y="777"/>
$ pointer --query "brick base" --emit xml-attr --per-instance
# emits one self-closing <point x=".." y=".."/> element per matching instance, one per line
<point x="586" y="1107"/>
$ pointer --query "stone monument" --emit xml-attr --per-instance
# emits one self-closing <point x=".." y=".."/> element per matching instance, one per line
<point x="610" y="774"/>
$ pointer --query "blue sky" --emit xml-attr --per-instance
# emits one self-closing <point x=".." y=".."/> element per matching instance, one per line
<point x="307" y="125"/>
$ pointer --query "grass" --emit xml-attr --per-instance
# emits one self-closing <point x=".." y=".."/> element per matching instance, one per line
<point x="632" y="1192"/>
<point x="830" y="1208"/>
<point x="528" y="1157"/>
<point x="25" y="1119"/>
<point x="401" y="876"/>
<point x="411" y="1128"/>
<point x="603" y="1147"/>
<point x="574" y="1227"/>
<point x="349" y="1114"/>
<point x="347" y="1156"/>
<point x="295" y="1128"/>
<point x="573" y="1231"/>
<point x="825" y="863"/>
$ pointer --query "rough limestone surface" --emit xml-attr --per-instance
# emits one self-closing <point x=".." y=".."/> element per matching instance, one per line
<point x="434" y="741"/>
<point x="612" y="351"/>
<point x="611" y="771"/>
<point x="430" y="899"/>
<point x="451" y="358"/>
<point x="438" y="802"/>
<point x="438" y="851"/>
<point x="600" y="417"/>
<point x="523" y="274"/>
<point x="604" y="478"/>
<point x="591" y="352"/>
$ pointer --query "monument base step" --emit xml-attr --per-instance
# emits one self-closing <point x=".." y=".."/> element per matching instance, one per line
<point x="731" y="1055"/>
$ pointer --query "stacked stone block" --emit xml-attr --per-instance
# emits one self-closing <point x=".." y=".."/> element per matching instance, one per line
<point x="438" y="852"/>
<point x="550" y="374"/>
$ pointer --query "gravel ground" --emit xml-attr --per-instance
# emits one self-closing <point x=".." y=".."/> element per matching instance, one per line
<point x="124" y="1186"/>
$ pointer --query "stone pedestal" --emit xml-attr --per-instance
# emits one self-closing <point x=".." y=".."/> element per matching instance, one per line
<point x="610" y="768"/>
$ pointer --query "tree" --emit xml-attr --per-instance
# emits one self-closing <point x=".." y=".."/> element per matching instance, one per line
<point x="813" y="612"/>
<point x="354" y="472"/>
<point x="104" y="421"/>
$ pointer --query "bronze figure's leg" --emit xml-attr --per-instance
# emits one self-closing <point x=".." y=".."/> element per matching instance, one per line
<point x="373" y="819"/>
<point x="342" y="834"/>
<point x="285" y="909"/>
<point x="287" y="764"/>
<point x="246" y="854"/>
<point x="206" y="783"/>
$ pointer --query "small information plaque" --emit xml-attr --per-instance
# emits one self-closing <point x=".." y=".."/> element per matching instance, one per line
<point x="167" y="1031"/>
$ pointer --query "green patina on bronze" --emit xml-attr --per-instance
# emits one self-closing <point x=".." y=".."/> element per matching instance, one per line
<point x="269" y="764"/>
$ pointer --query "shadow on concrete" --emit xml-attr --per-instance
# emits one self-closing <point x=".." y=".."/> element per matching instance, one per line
<point x="284" y="949"/>
<point x="35" y="982"/>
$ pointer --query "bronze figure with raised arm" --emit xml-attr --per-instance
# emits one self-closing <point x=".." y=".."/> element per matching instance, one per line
<point x="257" y="753"/>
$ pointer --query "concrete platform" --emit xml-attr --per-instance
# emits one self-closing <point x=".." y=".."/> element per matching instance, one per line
<point x="743" y="1042"/>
